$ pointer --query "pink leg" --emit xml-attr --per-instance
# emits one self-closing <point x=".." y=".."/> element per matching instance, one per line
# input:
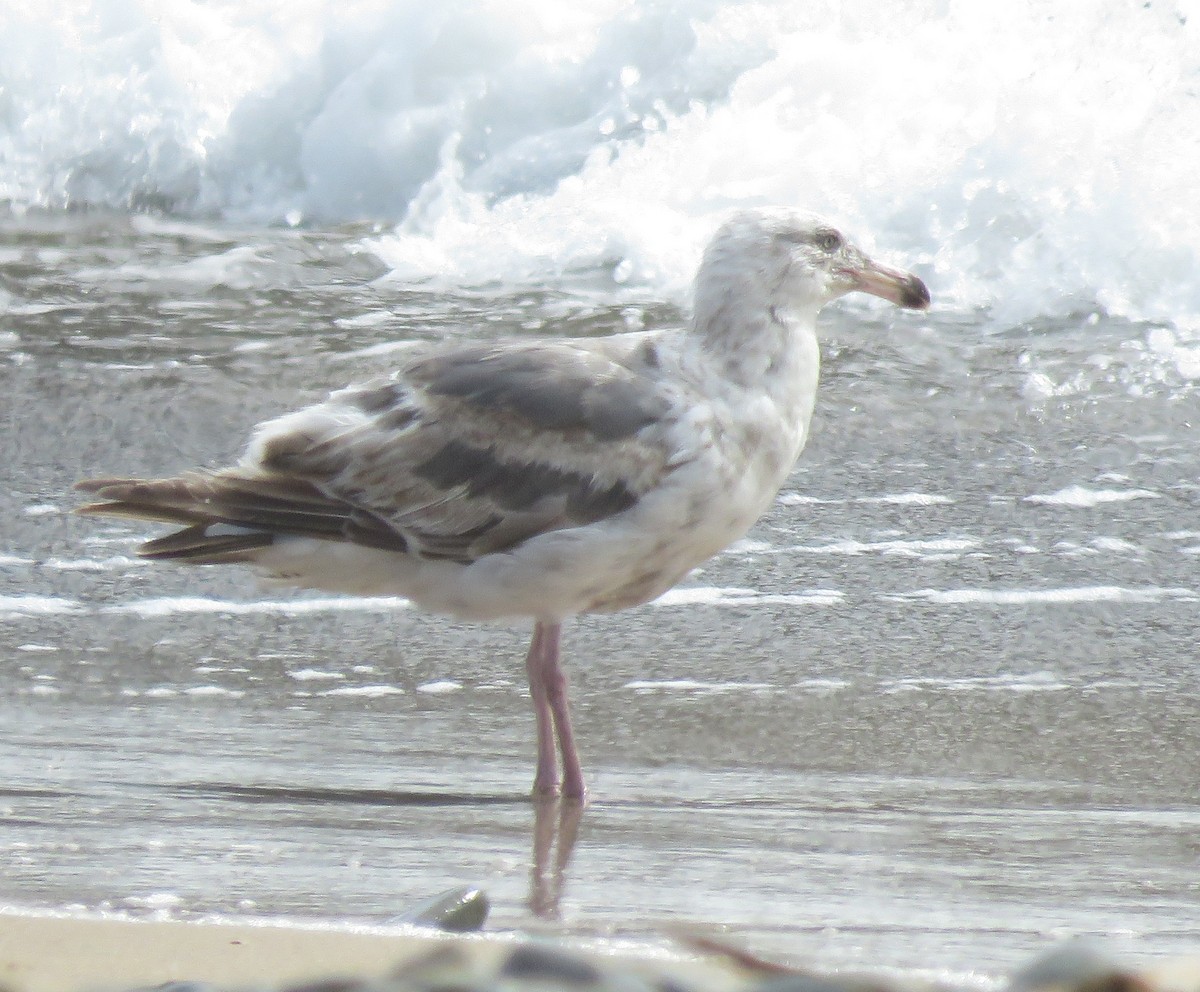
<point x="556" y="685"/>
<point x="548" y="687"/>
<point x="545" y="780"/>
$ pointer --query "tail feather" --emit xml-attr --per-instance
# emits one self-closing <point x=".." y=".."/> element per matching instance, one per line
<point x="196" y="546"/>
<point x="137" y="511"/>
<point x="261" y="508"/>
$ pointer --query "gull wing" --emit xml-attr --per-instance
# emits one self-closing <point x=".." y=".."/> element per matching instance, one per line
<point x="463" y="453"/>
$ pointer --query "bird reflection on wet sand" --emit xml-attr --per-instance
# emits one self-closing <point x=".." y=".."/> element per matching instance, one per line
<point x="555" y="832"/>
<point x="555" y="827"/>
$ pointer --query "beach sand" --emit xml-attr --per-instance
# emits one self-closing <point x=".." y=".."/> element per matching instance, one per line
<point x="75" y="954"/>
<point x="59" y="954"/>
<point x="72" y="954"/>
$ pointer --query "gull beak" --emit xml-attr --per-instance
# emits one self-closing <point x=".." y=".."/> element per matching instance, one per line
<point x="902" y="288"/>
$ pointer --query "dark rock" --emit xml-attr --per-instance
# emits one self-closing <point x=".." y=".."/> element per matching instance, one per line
<point x="533" y="962"/>
<point x="801" y="982"/>
<point x="330" y="985"/>
<point x="457" y="911"/>
<point x="1078" y="967"/>
<point x="182" y="986"/>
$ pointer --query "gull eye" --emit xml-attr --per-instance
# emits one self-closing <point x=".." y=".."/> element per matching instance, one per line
<point x="828" y="240"/>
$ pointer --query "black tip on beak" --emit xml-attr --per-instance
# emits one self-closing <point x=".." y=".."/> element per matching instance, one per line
<point x="901" y="288"/>
<point x="914" y="295"/>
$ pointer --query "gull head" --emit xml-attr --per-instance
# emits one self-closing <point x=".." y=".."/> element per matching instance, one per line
<point x="793" y="262"/>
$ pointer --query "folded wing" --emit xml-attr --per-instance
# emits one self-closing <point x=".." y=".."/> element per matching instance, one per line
<point x="465" y="452"/>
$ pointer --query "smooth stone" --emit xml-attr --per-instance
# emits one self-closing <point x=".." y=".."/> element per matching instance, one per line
<point x="548" y="964"/>
<point x="1078" y="965"/>
<point x="801" y="982"/>
<point x="458" y="911"/>
<point x="182" y="985"/>
<point x="331" y="985"/>
<point x="447" y="967"/>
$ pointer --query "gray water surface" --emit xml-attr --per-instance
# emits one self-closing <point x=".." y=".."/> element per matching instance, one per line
<point x="937" y="710"/>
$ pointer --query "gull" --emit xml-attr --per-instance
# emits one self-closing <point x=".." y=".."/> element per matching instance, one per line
<point x="539" y="479"/>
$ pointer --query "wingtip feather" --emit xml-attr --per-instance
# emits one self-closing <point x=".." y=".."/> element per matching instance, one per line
<point x="195" y="546"/>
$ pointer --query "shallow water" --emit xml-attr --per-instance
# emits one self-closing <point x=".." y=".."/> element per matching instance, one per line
<point x="940" y="706"/>
<point x="937" y="709"/>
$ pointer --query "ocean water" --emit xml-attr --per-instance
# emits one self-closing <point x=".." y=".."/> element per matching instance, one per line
<point x="940" y="707"/>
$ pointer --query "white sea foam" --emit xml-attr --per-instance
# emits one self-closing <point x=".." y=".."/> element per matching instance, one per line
<point x="159" y="902"/>
<point x="733" y="596"/>
<point x="42" y="510"/>
<point x="1117" y="544"/>
<point x="111" y="538"/>
<point x="26" y="606"/>
<point x="439" y="687"/>
<point x="1007" y="682"/>
<point x="44" y="689"/>
<point x="314" y="675"/>
<point x="694" y="685"/>
<point x="748" y="546"/>
<point x="904" y="549"/>
<point x="213" y="691"/>
<point x="796" y="499"/>
<point x="530" y="139"/>
<point x="823" y="686"/>
<point x="1073" y="549"/>
<point x="113" y="563"/>
<point x="940" y="548"/>
<point x="813" y="597"/>
<point x="172" y="605"/>
<point x="1081" y="496"/>
<point x="1023" y="597"/>
<point x="907" y="499"/>
<point x="365" y="691"/>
